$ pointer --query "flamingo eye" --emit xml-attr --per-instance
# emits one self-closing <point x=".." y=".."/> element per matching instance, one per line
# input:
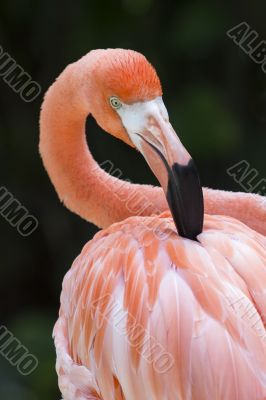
<point x="115" y="102"/>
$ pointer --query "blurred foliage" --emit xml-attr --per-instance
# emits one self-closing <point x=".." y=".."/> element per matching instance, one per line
<point x="216" y="97"/>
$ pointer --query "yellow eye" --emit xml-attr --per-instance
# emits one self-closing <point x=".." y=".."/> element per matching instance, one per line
<point x="115" y="102"/>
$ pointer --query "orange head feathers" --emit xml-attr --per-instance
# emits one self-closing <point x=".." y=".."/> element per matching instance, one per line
<point x="125" y="74"/>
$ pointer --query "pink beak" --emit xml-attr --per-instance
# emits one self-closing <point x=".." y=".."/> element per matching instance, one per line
<point x="174" y="169"/>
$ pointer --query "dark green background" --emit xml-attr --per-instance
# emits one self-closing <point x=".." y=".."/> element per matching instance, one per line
<point x="216" y="99"/>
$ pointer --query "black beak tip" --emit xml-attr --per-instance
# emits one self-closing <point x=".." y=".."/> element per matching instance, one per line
<point x="185" y="199"/>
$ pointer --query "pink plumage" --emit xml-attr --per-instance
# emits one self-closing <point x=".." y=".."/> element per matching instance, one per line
<point x="146" y="313"/>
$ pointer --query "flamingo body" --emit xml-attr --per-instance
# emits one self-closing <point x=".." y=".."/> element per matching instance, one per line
<point x="146" y="314"/>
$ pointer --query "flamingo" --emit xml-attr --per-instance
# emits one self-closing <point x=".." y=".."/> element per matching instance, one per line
<point x="168" y="303"/>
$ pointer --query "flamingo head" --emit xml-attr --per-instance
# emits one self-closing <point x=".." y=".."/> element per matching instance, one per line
<point x="128" y="104"/>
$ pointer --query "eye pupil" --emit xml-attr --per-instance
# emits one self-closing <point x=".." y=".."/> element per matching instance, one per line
<point x="115" y="102"/>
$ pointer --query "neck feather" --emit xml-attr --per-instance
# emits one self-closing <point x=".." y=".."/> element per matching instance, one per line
<point x="91" y="192"/>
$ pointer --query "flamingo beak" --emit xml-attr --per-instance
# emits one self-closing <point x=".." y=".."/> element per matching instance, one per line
<point x="148" y="126"/>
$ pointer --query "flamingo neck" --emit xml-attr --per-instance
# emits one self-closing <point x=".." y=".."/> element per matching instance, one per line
<point x="92" y="193"/>
<point x="81" y="184"/>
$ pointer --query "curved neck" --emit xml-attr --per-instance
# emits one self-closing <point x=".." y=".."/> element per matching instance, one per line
<point x="91" y="192"/>
<point x="81" y="184"/>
